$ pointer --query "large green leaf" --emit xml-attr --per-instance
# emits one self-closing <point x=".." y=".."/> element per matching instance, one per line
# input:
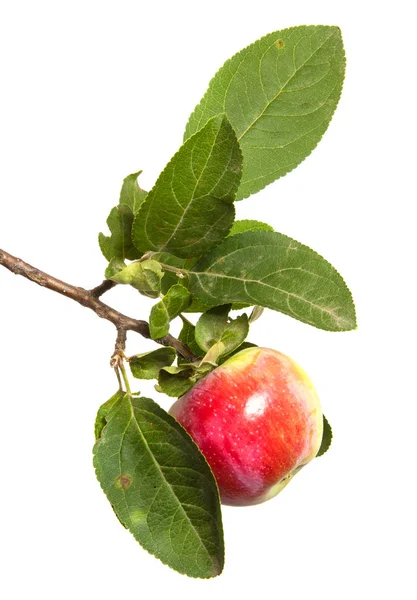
<point x="279" y="95"/>
<point x="269" y="269"/>
<point x="190" y="208"/>
<point x="161" y="487"/>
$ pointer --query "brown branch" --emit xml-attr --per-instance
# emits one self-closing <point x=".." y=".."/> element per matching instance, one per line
<point x="89" y="299"/>
<point x="104" y="287"/>
<point x="120" y="341"/>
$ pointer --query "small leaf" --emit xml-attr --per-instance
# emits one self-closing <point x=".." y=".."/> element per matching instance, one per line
<point x="119" y="244"/>
<point x="161" y="487"/>
<point x="239" y="349"/>
<point x="214" y="326"/>
<point x="190" y="208"/>
<point x="269" y="269"/>
<point x="114" y="266"/>
<point x="212" y="356"/>
<point x="148" y="365"/>
<point x="175" y="381"/>
<point x="211" y="325"/>
<point x="235" y="333"/>
<point x="327" y="437"/>
<point x="187" y="335"/>
<point x="144" y="276"/>
<point x="131" y="194"/>
<point x="249" y="225"/>
<point x="172" y="304"/>
<point x="104" y="412"/>
<point x="279" y="95"/>
<point x="256" y="314"/>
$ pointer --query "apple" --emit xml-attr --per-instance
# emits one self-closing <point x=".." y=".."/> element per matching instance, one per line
<point x="257" y="420"/>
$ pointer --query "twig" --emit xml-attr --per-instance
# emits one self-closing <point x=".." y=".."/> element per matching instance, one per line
<point x="104" y="287"/>
<point x="89" y="299"/>
<point x="119" y="348"/>
<point x="120" y="341"/>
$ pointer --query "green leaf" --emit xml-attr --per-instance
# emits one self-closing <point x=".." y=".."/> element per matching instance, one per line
<point x="239" y="349"/>
<point x="211" y="325"/>
<point x="131" y="194"/>
<point x="144" y="276"/>
<point x="212" y="357"/>
<point x="171" y="278"/>
<point x="172" y="304"/>
<point x="249" y="225"/>
<point x="215" y="327"/>
<point x="115" y="266"/>
<point x="197" y="307"/>
<point x="161" y="487"/>
<point x="148" y="365"/>
<point x="327" y="437"/>
<point x="269" y="269"/>
<point x="190" y="208"/>
<point x="235" y="333"/>
<point x="279" y="95"/>
<point x="119" y="244"/>
<point x="256" y="314"/>
<point x="187" y="335"/>
<point x="175" y="381"/>
<point x="105" y="411"/>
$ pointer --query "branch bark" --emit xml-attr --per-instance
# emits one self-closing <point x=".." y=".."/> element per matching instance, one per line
<point x="90" y="299"/>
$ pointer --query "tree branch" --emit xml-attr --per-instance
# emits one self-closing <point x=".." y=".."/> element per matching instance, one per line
<point x="90" y="299"/>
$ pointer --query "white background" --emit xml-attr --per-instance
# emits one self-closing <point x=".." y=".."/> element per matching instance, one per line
<point x="92" y="91"/>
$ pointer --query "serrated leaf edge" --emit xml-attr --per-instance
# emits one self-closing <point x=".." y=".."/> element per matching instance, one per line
<point x="336" y="30"/>
<point x="101" y="440"/>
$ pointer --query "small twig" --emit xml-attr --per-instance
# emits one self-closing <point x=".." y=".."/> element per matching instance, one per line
<point x="89" y="299"/>
<point x="119" y="348"/>
<point x="120" y="341"/>
<point x="104" y="287"/>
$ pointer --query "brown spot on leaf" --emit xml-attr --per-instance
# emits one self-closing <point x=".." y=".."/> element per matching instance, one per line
<point x="280" y="44"/>
<point x="123" y="481"/>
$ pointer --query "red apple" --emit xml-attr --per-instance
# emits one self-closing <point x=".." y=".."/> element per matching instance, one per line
<point x="257" y="420"/>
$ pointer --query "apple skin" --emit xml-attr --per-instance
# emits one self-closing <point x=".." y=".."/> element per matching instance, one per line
<point x="257" y="419"/>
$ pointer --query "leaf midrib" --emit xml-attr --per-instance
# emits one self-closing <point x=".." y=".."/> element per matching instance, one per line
<point x="192" y="197"/>
<point x="275" y="288"/>
<point x="180" y="506"/>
